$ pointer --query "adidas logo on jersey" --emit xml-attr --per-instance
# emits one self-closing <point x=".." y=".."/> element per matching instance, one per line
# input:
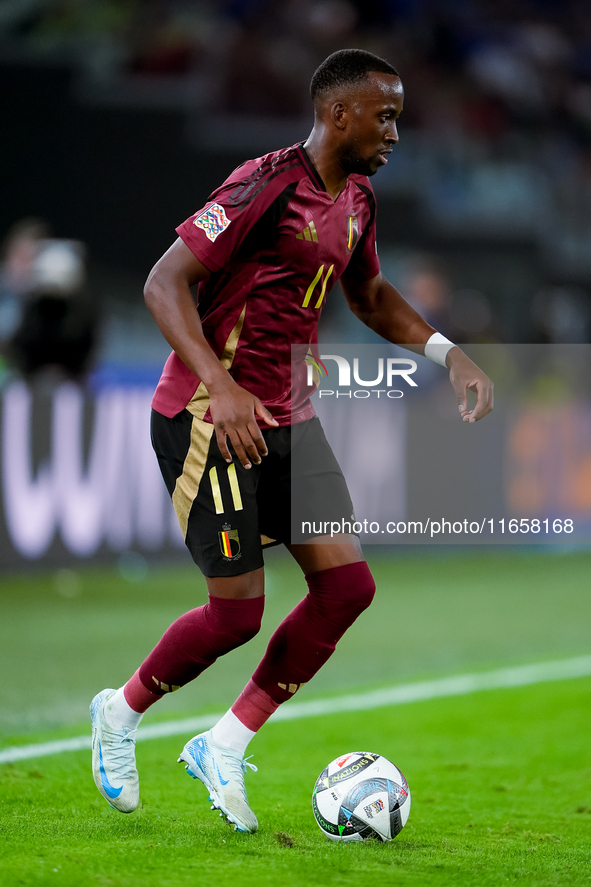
<point x="308" y="233"/>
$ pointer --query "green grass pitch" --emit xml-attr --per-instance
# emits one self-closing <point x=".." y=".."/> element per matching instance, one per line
<point x="500" y="780"/>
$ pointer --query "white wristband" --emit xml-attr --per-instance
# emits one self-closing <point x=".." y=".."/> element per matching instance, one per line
<point x="437" y="347"/>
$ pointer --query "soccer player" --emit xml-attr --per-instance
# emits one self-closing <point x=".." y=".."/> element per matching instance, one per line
<point x="265" y="249"/>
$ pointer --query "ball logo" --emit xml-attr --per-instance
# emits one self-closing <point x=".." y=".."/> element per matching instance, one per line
<point x="358" y="765"/>
<point x="342" y="761"/>
<point x="376" y="807"/>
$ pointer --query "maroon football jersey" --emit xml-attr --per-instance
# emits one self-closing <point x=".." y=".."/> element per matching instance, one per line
<point x="275" y="243"/>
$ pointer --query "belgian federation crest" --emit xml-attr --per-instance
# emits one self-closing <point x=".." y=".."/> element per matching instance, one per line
<point x="229" y="542"/>
<point x="352" y="233"/>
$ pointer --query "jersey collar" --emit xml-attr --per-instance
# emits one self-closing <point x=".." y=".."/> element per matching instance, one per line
<point x="312" y="171"/>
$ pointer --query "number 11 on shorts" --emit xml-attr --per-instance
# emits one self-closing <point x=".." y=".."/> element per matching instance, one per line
<point x="217" y="492"/>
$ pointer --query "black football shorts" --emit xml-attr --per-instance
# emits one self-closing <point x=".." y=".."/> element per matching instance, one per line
<point x="228" y="513"/>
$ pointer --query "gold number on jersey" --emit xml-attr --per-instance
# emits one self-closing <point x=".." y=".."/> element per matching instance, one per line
<point x="312" y="287"/>
<point x="217" y="492"/>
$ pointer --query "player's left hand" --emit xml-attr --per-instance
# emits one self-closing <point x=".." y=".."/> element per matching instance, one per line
<point x="464" y="375"/>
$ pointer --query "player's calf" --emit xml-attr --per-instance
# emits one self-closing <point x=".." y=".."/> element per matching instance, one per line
<point x="197" y="639"/>
<point x="307" y="637"/>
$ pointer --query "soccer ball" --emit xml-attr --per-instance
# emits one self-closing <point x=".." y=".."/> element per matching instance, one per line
<point x="361" y="795"/>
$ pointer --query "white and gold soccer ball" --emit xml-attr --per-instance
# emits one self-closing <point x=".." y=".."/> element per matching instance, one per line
<point x="361" y="795"/>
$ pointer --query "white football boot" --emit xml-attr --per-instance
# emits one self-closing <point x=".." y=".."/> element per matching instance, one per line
<point x="113" y="758"/>
<point x="221" y="770"/>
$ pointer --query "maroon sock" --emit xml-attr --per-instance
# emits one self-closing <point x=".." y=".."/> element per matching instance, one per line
<point x="306" y="638"/>
<point x="136" y="695"/>
<point x="253" y="707"/>
<point x="195" y="641"/>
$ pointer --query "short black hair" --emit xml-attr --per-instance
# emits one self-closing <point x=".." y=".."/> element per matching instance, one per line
<point x="345" y="67"/>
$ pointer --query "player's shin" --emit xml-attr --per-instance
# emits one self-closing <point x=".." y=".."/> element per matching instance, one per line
<point x="197" y="638"/>
<point x="303" y="642"/>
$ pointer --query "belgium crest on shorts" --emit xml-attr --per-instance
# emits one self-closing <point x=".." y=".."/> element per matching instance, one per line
<point x="229" y="542"/>
<point x="352" y="233"/>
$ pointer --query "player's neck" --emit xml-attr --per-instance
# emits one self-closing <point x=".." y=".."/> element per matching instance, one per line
<point x="327" y="165"/>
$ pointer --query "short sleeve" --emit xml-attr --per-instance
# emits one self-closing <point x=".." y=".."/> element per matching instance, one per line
<point x="215" y="232"/>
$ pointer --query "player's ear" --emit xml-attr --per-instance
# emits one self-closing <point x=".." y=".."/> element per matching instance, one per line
<point x="338" y="114"/>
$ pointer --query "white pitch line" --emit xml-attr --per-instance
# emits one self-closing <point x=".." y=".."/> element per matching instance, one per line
<point x="461" y="685"/>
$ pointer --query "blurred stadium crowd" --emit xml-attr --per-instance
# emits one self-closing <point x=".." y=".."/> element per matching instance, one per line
<point x="122" y="116"/>
<point x="495" y="137"/>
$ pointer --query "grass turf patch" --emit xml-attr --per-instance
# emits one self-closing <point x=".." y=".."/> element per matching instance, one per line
<point x="500" y="784"/>
<point x="500" y="780"/>
<point x="63" y="641"/>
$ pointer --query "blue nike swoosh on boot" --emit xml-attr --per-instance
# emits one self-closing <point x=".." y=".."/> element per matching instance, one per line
<point x="223" y="781"/>
<point x="110" y="790"/>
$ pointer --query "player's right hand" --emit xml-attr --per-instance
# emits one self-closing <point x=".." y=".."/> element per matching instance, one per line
<point x="233" y="413"/>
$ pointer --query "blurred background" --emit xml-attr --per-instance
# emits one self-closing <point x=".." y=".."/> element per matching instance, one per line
<point x="121" y="116"/>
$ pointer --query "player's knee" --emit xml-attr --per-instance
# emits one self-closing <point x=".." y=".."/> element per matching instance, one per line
<point x="238" y="620"/>
<point x="248" y="629"/>
<point x="358" y="587"/>
<point x="343" y="593"/>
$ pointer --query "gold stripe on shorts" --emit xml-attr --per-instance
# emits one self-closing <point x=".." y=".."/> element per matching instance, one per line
<point x="187" y="485"/>
<point x="216" y="491"/>
<point x="234" y="488"/>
